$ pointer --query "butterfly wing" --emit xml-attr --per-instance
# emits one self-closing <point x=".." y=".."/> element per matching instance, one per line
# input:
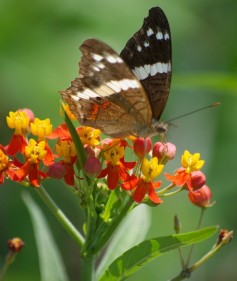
<point x="148" y="54"/>
<point x="107" y="95"/>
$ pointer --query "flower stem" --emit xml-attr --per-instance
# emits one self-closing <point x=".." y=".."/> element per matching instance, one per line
<point x="64" y="221"/>
<point x="8" y="261"/>
<point x="87" y="268"/>
<point x="113" y="227"/>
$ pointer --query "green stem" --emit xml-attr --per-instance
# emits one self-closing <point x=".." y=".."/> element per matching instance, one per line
<point x="8" y="261"/>
<point x="64" y="221"/>
<point x="191" y="249"/>
<point x="105" y="238"/>
<point x="87" y="268"/>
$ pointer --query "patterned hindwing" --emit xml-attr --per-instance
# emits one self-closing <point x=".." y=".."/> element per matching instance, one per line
<point x="148" y="54"/>
<point x="107" y="95"/>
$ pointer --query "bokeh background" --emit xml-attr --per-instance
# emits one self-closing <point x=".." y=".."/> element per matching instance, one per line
<point x="39" y="56"/>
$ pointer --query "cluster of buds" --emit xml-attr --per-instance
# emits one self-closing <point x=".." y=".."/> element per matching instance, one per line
<point x="105" y="161"/>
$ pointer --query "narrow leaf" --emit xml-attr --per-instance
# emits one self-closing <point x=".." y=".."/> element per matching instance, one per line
<point x="138" y="256"/>
<point x="51" y="264"/>
<point x="124" y="239"/>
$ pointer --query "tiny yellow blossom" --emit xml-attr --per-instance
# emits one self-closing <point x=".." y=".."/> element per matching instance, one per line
<point x="68" y="111"/>
<point x="151" y="169"/>
<point x="35" y="151"/>
<point x="191" y="162"/>
<point x="4" y="159"/>
<point x="19" y="121"/>
<point x="113" y="153"/>
<point x="67" y="150"/>
<point x="89" y="136"/>
<point x="41" y="128"/>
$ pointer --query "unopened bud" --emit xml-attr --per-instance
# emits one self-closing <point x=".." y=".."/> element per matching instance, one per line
<point x="142" y="146"/>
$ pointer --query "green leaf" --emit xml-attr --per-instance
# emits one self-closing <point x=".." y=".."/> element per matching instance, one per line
<point x="124" y="239"/>
<point x="138" y="256"/>
<point x="51" y="264"/>
<point x="77" y="141"/>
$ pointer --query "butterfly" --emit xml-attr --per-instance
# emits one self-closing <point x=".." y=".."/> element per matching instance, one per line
<point x="125" y="94"/>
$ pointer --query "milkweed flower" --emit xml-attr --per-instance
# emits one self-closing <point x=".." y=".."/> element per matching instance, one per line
<point x="34" y="154"/>
<point x="89" y="135"/>
<point x="7" y="169"/>
<point x="164" y="151"/>
<point x="42" y="129"/>
<point x="145" y="185"/>
<point x="65" y="167"/>
<point x="142" y="146"/>
<point x="201" y="197"/>
<point x="18" y="120"/>
<point x="117" y="168"/>
<point x="68" y="111"/>
<point x="183" y="176"/>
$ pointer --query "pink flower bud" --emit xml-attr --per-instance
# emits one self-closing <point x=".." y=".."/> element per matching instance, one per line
<point x="92" y="167"/>
<point x="198" y="179"/>
<point x="164" y="151"/>
<point x="56" y="170"/>
<point x="201" y="197"/>
<point x="29" y="113"/>
<point x="142" y="146"/>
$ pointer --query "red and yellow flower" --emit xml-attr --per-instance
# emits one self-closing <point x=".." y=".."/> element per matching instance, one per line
<point x="34" y="153"/>
<point x="117" y="169"/>
<point x="190" y="163"/>
<point x="145" y="185"/>
<point x="18" y="120"/>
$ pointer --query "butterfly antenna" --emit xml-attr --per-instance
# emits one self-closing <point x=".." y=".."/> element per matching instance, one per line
<point x="194" y="111"/>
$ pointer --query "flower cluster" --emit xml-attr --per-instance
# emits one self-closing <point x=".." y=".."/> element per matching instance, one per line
<point x="29" y="159"/>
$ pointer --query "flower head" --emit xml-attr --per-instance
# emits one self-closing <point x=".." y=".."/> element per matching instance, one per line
<point x="34" y="153"/>
<point x="201" y="197"/>
<point x="68" y="111"/>
<point x="191" y="162"/>
<point x="89" y="135"/>
<point x="164" y="151"/>
<point x="41" y="128"/>
<point x="117" y="168"/>
<point x="18" y="120"/>
<point x="142" y="146"/>
<point x="67" y="150"/>
<point x="144" y="185"/>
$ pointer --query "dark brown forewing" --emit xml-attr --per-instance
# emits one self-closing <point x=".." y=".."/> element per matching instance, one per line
<point x="107" y="95"/>
<point x="148" y="54"/>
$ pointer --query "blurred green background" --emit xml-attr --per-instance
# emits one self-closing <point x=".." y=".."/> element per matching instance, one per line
<point x="39" y="56"/>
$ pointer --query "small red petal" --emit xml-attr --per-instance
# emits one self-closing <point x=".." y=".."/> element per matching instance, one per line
<point x="17" y="143"/>
<point x="33" y="175"/>
<point x="69" y="175"/>
<point x="140" y="192"/>
<point x="113" y="177"/>
<point x="152" y="195"/>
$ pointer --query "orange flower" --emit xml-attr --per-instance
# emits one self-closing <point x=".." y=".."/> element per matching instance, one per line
<point x="201" y="197"/>
<point x="144" y="185"/>
<point x="34" y="153"/>
<point x="117" y="168"/>
<point x="183" y="176"/>
<point x="89" y="135"/>
<point x="19" y="121"/>
<point x="7" y="169"/>
<point x="65" y="167"/>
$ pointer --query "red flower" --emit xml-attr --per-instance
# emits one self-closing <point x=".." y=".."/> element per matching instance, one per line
<point x="34" y="153"/>
<point x="60" y="132"/>
<point x="142" y="188"/>
<point x="201" y="197"/>
<point x="116" y="173"/>
<point x="17" y="143"/>
<point x="180" y="178"/>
